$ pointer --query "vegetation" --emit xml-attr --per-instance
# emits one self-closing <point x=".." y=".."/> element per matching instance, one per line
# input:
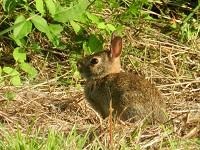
<point x="41" y="97"/>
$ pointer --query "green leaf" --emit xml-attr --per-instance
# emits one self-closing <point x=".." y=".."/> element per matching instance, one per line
<point x="15" y="80"/>
<point x="23" y="27"/>
<point x="51" y="7"/>
<point x="40" y="23"/>
<point x="9" y="5"/>
<point x="111" y="27"/>
<point x="134" y="8"/>
<point x="95" y="44"/>
<point x="108" y="27"/>
<point x="14" y="75"/>
<point x="53" y="38"/>
<point x="56" y="29"/>
<point x="101" y="25"/>
<point x="93" y="18"/>
<point x="32" y="72"/>
<point x="71" y="13"/>
<point x="86" y="49"/>
<point x="19" y="42"/>
<point x="35" y="47"/>
<point x="19" y="54"/>
<point x="75" y="26"/>
<point x="10" y="71"/>
<point x="39" y="4"/>
<point x="10" y="95"/>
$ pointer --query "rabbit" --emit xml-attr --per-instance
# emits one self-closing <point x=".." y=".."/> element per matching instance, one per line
<point x="132" y="96"/>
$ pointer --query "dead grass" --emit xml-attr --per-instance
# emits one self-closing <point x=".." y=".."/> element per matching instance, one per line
<point x="174" y="68"/>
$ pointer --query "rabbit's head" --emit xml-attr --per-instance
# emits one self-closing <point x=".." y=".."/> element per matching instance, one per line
<point x="102" y="63"/>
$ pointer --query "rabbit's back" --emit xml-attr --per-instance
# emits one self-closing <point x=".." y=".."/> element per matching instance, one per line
<point x="132" y="97"/>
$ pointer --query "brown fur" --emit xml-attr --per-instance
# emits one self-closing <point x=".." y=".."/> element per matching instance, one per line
<point x="132" y="96"/>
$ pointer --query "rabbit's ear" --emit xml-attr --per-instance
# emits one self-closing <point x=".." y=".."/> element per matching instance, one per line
<point x="116" y="46"/>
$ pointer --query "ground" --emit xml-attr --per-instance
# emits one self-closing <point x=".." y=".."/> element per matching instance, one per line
<point x="172" y="66"/>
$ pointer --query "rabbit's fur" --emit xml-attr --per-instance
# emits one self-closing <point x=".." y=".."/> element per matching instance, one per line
<point x="132" y="96"/>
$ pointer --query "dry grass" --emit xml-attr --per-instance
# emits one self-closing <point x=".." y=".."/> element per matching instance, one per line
<point x="172" y="66"/>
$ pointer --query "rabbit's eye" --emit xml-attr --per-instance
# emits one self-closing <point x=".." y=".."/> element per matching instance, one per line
<point x="94" y="61"/>
<point x="78" y="65"/>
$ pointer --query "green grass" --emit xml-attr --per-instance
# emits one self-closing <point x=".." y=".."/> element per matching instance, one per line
<point x="51" y="141"/>
<point x="55" y="140"/>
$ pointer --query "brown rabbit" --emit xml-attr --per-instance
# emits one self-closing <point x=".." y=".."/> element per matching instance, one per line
<point x="132" y="96"/>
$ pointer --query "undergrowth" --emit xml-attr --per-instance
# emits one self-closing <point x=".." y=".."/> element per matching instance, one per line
<point x="41" y="95"/>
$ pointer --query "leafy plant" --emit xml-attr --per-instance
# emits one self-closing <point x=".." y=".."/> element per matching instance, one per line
<point x="10" y="95"/>
<point x="53" y="19"/>
<point x="13" y="74"/>
<point x="190" y="28"/>
<point x="48" y="17"/>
